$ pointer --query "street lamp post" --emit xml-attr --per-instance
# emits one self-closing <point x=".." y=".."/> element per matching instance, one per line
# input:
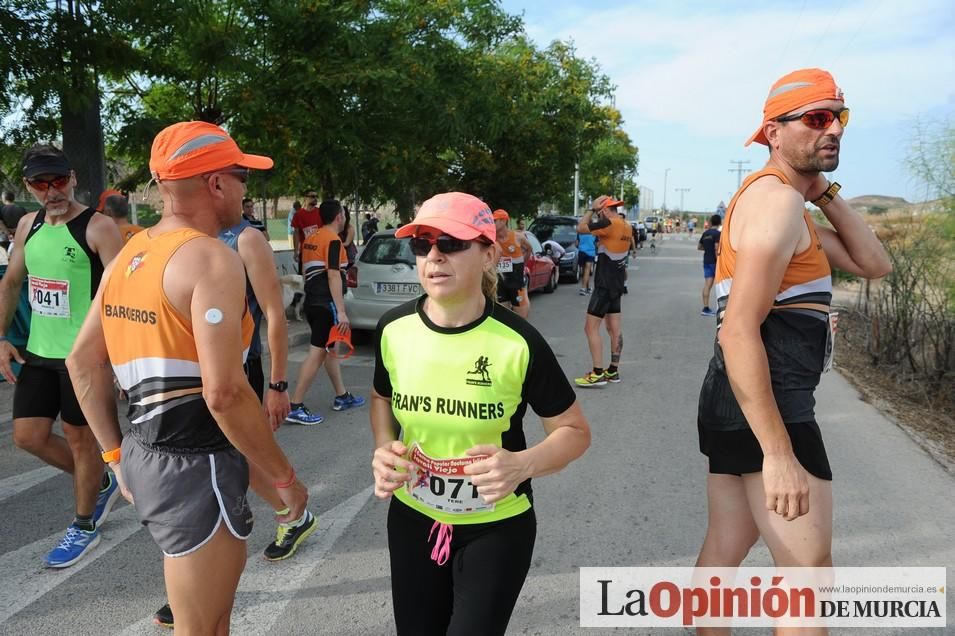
<point x="665" y="174"/>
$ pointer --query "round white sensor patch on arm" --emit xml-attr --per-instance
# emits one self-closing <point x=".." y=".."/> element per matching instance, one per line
<point x="214" y="316"/>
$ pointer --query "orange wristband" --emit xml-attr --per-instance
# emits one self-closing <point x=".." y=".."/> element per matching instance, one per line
<point x="111" y="456"/>
<point x="286" y="484"/>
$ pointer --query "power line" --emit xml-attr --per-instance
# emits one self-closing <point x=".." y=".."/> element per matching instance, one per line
<point x="739" y="170"/>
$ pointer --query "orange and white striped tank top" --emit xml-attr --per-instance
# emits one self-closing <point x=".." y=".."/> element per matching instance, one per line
<point x="153" y="351"/>
<point x="795" y="333"/>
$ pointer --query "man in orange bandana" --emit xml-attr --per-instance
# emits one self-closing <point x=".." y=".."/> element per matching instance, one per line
<point x="769" y="474"/>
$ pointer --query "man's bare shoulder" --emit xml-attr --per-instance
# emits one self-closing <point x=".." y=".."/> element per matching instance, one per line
<point x="205" y="254"/>
<point x="770" y="198"/>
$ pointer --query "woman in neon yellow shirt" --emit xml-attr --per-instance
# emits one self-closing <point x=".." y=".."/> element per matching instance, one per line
<point x="454" y="375"/>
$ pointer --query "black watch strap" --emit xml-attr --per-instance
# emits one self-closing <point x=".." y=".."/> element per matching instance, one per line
<point x="281" y="386"/>
<point x="828" y="195"/>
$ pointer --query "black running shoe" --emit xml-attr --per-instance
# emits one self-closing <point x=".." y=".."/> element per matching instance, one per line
<point x="163" y="617"/>
<point x="288" y="538"/>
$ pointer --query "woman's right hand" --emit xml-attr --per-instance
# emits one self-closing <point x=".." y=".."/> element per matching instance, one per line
<point x="384" y="464"/>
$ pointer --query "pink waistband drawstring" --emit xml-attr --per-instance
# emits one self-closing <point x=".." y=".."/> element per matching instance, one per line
<point x="442" y="546"/>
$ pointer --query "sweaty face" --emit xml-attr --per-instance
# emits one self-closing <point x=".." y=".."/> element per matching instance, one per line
<point x="809" y="150"/>
<point x="501" y="226"/>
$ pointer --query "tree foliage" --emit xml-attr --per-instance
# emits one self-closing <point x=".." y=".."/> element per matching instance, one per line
<point x="370" y="100"/>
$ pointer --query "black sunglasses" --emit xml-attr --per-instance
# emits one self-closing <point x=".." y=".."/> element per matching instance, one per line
<point x="242" y="174"/>
<point x="421" y="245"/>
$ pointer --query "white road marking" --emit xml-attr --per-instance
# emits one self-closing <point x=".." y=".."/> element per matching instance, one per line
<point x="26" y="579"/>
<point x="257" y="605"/>
<point x="12" y="486"/>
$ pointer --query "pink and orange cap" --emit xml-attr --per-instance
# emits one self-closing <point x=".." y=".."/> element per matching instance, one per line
<point x="456" y="214"/>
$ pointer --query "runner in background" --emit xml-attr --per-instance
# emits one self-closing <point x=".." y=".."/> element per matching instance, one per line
<point x="616" y="238"/>
<point x="454" y="375"/>
<point x="709" y="244"/>
<point x="513" y="250"/>
<point x="61" y="252"/>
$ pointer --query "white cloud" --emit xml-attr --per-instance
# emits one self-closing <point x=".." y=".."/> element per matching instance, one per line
<point x="893" y="59"/>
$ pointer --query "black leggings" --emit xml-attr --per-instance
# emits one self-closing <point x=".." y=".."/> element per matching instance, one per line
<point x="475" y="591"/>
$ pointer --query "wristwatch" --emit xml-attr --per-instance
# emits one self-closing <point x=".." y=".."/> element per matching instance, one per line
<point x="828" y="195"/>
<point x="281" y="386"/>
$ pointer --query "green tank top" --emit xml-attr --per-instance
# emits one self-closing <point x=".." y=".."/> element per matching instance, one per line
<point x="63" y="273"/>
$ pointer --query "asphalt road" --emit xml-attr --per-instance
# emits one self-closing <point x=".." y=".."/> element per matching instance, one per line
<point x="635" y="499"/>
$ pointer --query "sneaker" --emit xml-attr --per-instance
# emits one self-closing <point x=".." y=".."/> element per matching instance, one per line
<point x="105" y="500"/>
<point x="707" y="312"/>
<point x="163" y="616"/>
<point x="581" y="292"/>
<point x="590" y="290"/>
<point x="592" y="379"/>
<point x="612" y="376"/>
<point x="288" y="538"/>
<point x="303" y="416"/>
<point x="72" y="547"/>
<point x="348" y="401"/>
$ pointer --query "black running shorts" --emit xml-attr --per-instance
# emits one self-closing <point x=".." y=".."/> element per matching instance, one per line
<point x="321" y="319"/>
<point x="183" y="499"/>
<point x="45" y="390"/>
<point x="739" y="453"/>
<point x="603" y="302"/>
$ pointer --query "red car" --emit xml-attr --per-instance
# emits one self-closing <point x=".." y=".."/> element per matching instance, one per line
<point x="540" y="271"/>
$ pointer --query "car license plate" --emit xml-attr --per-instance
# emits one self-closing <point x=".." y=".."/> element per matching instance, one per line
<point x="398" y="289"/>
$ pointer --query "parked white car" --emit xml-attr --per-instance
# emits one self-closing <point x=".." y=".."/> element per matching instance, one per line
<point x="384" y="277"/>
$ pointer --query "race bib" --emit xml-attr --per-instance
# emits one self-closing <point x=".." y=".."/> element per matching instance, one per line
<point x="442" y="485"/>
<point x="505" y="265"/>
<point x="50" y="297"/>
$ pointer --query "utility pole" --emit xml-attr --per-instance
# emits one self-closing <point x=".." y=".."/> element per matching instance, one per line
<point x="739" y="170"/>
<point x="576" y="187"/>
<point x="682" y="191"/>
<point x="665" y="174"/>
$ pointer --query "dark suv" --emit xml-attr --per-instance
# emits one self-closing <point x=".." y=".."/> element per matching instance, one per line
<point x="562" y="229"/>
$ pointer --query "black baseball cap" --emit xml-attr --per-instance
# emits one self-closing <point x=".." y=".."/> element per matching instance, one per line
<point x="46" y="164"/>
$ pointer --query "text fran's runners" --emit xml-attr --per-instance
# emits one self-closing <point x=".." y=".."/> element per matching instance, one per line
<point x="610" y="282"/>
<point x="176" y="342"/>
<point x="454" y="374"/>
<point x="769" y="473"/>
<point x="65" y="247"/>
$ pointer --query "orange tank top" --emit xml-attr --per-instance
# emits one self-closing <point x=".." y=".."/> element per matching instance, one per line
<point x="511" y="248"/>
<point x="807" y="282"/>
<point x="152" y="349"/>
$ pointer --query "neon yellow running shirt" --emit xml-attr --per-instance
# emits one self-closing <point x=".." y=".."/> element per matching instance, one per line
<point x="454" y="388"/>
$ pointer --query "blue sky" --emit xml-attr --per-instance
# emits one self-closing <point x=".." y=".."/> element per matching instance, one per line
<point x="692" y="76"/>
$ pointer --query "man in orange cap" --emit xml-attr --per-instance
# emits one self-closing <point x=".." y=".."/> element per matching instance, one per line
<point x="610" y="283"/>
<point x="769" y="473"/>
<point x="513" y="248"/>
<point x="176" y="343"/>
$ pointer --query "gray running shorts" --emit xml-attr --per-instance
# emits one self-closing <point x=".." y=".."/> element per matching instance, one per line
<point x="182" y="499"/>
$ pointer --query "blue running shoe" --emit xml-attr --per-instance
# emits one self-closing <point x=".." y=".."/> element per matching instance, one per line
<point x="347" y="401"/>
<point x="303" y="416"/>
<point x="74" y="545"/>
<point x="105" y="500"/>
